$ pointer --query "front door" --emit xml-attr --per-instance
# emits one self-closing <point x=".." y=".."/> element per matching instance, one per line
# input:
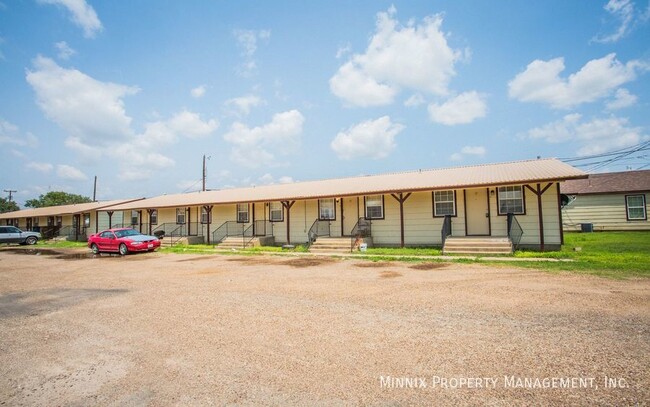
<point x="349" y="215"/>
<point x="478" y="212"/>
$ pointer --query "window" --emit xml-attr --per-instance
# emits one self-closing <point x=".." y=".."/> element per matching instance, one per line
<point x="153" y="217"/>
<point x="59" y="221"/>
<point x="276" y="212"/>
<point x="374" y="207"/>
<point x="242" y="213"/>
<point x="326" y="209"/>
<point x="50" y="221"/>
<point x="444" y="203"/>
<point x="635" y="206"/>
<point x="107" y="235"/>
<point x="511" y="200"/>
<point x="36" y="221"/>
<point x="180" y="216"/>
<point x="86" y="220"/>
<point x="204" y="215"/>
<point x="134" y="217"/>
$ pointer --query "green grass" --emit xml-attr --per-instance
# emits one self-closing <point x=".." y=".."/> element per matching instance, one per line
<point x="211" y="249"/>
<point x="61" y="244"/>
<point x="608" y="254"/>
<point x="406" y="251"/>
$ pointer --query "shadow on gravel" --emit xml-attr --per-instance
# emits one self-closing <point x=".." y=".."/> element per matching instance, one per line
<point x="37" y="302"/>
<point x="63" y="255"/>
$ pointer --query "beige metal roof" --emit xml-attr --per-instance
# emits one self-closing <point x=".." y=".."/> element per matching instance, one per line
<point x="63" y="209"/>
<point x="421" y="180"/>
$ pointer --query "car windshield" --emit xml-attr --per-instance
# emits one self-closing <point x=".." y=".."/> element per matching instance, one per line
<point x="126" y="233"/>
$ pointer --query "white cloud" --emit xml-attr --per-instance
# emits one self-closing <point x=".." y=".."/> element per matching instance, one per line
<point x="595" y="136"/>
<point x="70" y="173"/>
<point x="82" y="15"/>
<point x="10" y="134"/>
<point x="41" y="167"/>
<point x="92" y="114"/>
<point x="415" y="100"/>
<point x="85" y="107"/>
<point x="540" y="82"/>
<point x="198" y="92"/>
<point x="462" y="109"/>
<point x="412" y="56"/>
<point x="268" y="179"/>
<point x="259" y="146"/>
<point x="468" y="150"/>
<point x="64" y="50"/>
<point x="370" y="138"/>
<point x="343" y="51"/>
<point x="622" y="99"/>
<point x="247" y="41"/>
<point x="623" y="12"/>
<point x="190" y="125"/>
<point x="243" y="104"/>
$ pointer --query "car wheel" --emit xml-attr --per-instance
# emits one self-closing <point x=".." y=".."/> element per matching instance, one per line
<point x="94" y="248"/>
<point x="31" y="240"/>
<point x="123" y="249"/>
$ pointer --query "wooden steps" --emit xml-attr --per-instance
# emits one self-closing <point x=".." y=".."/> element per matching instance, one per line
<point x="478" y="245"/>
<point x="331" y="245"/>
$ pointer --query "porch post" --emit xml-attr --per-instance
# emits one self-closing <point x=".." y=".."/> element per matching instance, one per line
<point x="96" y="221"/>
<point x="559" y="212"/>
<point x="110" y="219"/>
<point x="149" y="212"/>
<point x="253" y="216"/>
<point x="208" y="210"/>
<point x="401" y="199"/>
<point x="539" y="192"/>
<point x="288" y="205"/>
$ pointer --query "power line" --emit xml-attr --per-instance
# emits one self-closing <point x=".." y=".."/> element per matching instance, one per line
<point x="10" y="191"/>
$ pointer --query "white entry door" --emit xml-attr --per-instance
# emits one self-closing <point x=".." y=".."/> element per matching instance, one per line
<point x="478" y="214"/>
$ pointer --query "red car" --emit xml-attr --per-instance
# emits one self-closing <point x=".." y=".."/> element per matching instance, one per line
<point x="122" y="241"/>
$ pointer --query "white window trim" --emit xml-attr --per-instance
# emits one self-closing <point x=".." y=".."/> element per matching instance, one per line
<point x="381" y="205"/>
<point x="182" y="214"/>
<point x="271" y="210"/>
<point x="642" y="206"/>
<point x="500" y="196"/>
<point x="320" y="207"/>
<point x="453" y="201"/>
<point x="247" y="206"/>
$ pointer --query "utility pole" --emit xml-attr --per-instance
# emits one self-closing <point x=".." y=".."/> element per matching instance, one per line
<point x="205" y="171"/>
<point x="203" y="189"/>
<point x="11" y="191"/>
<point x="95" y="189"/>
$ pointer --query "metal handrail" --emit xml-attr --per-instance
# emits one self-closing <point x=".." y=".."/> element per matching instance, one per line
<point x="228" y="228"/>
<point x="445" y="232"/>
<point x="363" y="228"/>
<point x="515" y="232"/>
<point x="317" y="229"/>
<point x="168" y="228"/>
<point x="248" y="235"/>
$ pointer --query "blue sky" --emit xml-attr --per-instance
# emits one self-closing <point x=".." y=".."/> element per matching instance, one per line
<point x="137" y="92"/>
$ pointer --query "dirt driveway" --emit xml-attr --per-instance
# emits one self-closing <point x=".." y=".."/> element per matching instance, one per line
<point x="257" y="330"/>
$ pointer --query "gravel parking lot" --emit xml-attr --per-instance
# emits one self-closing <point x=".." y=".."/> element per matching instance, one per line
<point x="165" y="329"/>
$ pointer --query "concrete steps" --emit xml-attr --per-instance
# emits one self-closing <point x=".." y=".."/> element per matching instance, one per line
<point x="237" y="242"/>
<point x="478" y="245"/>
<point x="331" y="245"/>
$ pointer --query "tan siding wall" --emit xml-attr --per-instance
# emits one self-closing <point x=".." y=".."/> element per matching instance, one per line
<point x="303" y="214"/>
<point x="606" y="212"/>
<point x="530" y="221"/>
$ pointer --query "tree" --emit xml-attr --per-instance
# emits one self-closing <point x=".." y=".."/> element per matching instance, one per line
<point x="56" y="198"/>
<point x="8" y="206"/>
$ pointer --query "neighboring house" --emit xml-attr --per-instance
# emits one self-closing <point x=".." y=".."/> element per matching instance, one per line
<point x="610" y="201"/>
<point x="416" y="208"/>
<point x="75" y="221"/>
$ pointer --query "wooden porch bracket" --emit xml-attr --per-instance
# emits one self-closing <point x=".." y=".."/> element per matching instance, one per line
<point x="539" y="191"/>
<point x="208" y="210"/>
<point x="401" y="199"/>
<point x="110" y="219"/>
<point x="288" y="205"/>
